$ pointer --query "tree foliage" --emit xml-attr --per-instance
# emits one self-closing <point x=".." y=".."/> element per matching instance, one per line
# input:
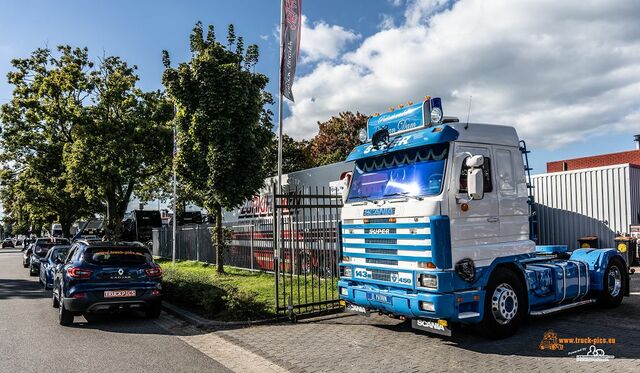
<point x="127" y="142"/>
<point x="77" y="138"/>
<point x="296" y="155"/>
<point x="224" y="131"/>
<point x="337" y="137"/>
<point x="49" y="98"/>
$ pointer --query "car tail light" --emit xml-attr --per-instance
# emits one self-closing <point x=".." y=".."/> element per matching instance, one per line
<point x="79" y="296"/>
<point x="154" y="272"/>
<point x="155" y="292"/>
<point x="77" y="272"/>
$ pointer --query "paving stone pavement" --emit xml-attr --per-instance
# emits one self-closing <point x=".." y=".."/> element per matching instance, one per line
<point x="347" y="343"/>
<point x="230" y="355"/>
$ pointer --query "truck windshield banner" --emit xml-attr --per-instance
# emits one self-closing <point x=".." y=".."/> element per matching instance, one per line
<point x="400" y="120"/>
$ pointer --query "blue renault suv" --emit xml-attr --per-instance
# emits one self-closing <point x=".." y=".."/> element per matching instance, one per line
<point x="99" y="277"/>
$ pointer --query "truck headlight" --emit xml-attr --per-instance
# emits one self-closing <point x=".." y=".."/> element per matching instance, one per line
<point x="346" y="259"/>
<point x="427" y="306"/>
<point x="344" y="291"/>
<point x="346" y="271"/>
<point x="428" y="281"/>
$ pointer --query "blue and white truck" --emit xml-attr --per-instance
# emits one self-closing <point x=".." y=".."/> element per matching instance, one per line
<point x="436" y="229"/>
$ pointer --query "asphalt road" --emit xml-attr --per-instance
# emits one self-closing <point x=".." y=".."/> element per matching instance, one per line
<point x="31" y="339"/>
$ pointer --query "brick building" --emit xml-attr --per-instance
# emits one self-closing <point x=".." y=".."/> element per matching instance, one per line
<point x="631" y="156"/>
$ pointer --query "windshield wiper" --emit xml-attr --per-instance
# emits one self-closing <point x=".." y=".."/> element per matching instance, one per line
<point x="403" y="194"/>
<point x="365" y="198"/>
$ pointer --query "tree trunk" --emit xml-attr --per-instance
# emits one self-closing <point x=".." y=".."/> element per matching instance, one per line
<point x="219" y="239"/>
<point x="66" y="228"/>
<point x="112" y="226"/>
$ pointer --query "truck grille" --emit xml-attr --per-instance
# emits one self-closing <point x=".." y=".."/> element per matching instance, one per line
<point x="382" y="275"/>
<point x="381" y="251"/>
<point x="390" y="241"/>
<point x="382" y="261"/>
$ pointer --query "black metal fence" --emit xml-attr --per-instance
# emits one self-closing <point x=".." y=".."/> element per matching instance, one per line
<point x="304" y="258"/>
<point x="308" y="250"/>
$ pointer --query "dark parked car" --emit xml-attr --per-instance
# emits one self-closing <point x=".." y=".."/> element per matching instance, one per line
<point x="8" y="244"/>
<point x="56" y="255"/>
<point x="40" y="249"/>
<point x="107" y="277"/>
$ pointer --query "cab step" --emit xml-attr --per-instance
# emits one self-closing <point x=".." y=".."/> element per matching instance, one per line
<point x="561" y="308"/>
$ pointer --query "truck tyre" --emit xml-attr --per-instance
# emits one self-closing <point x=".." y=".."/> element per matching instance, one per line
<point x="614" y="283"/>
<point x="504" y="304"/>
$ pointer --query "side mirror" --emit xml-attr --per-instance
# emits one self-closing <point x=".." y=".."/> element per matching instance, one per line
<point x="475" y="161"/>
<point x="345" y="178"/>
<point x="475" y="183"/>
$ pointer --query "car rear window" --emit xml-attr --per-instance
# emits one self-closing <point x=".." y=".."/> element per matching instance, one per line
<point x="41" y="249"/>
<point x="117" y="256"/>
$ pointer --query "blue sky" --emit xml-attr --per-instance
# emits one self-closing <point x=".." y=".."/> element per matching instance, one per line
<point x="350" y="48"/>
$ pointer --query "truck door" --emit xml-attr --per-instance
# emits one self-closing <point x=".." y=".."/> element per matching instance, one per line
<point x="512" y="194"/>
<point x="480" y="224"/>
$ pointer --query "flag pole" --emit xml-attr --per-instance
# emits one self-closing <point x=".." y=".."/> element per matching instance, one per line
<point x="175" y="202"/>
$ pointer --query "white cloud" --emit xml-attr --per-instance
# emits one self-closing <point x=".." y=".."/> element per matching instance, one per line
<point x="387" y="22"/>
<point x="323" y="41"/>
<point x="558" y="71"/>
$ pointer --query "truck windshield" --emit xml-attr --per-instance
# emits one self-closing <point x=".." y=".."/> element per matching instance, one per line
<point x="414" y="172"/>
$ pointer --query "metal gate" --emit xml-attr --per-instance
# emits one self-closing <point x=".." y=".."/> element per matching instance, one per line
<point x="307" y="250"/>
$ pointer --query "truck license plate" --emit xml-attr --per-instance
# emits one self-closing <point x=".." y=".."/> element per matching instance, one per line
<point x="119" y="293"/>
<point x="431" y="326"/>
<point x="379" y="297"/>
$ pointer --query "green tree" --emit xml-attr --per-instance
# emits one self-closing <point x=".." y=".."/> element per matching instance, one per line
<point x="296" y="155"/>
<point x="224" y="131"/>
<point x="49" y="97"/>
<point x="337" y="137"/>
<point x="125" y="144"/>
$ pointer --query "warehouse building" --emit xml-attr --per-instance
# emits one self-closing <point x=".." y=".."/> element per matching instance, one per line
<point x="588" y="196"/>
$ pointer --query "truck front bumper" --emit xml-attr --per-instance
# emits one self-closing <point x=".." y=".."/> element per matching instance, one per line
<point x="462" y="306"/>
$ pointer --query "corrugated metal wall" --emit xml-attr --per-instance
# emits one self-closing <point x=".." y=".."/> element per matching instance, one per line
<point x="596" y="201"/>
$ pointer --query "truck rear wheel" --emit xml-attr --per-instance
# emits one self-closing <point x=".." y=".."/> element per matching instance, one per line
<point x="503" y="305"/>
<point x="614" y="284"/>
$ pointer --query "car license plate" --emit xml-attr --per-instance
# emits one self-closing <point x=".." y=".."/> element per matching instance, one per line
<point x="119" y="293"/>
<point x="357" y="309"/>
<point x="432" y="326"/>
<point x="379" y="297"/>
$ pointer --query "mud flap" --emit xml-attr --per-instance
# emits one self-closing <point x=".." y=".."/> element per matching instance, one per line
<point x="360" y="310"/>
<point x="434" y="326"/>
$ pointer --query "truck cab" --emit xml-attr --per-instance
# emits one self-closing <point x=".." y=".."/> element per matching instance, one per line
<point x="435" y="228"/>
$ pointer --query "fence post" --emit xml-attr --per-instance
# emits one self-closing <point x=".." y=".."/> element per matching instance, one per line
<point x="251" y="246"/>
<point x="197" y="242"/>
<point x="276" y="265"/>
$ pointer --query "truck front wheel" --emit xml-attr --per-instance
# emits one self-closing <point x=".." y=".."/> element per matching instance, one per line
<point x="504" y="305"/>
<point x="614" y="283"/>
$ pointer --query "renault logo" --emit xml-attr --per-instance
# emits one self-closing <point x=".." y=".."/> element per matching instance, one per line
<point x="121" y="272"/>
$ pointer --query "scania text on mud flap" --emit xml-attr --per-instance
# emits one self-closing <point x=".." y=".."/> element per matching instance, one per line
<point x="436" y="229"/>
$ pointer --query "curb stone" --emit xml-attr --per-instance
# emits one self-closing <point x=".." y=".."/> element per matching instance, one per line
<point x="200" y="321"/>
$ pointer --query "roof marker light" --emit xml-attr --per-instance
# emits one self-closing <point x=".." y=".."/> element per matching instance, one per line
<point x="362" y="135"/>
